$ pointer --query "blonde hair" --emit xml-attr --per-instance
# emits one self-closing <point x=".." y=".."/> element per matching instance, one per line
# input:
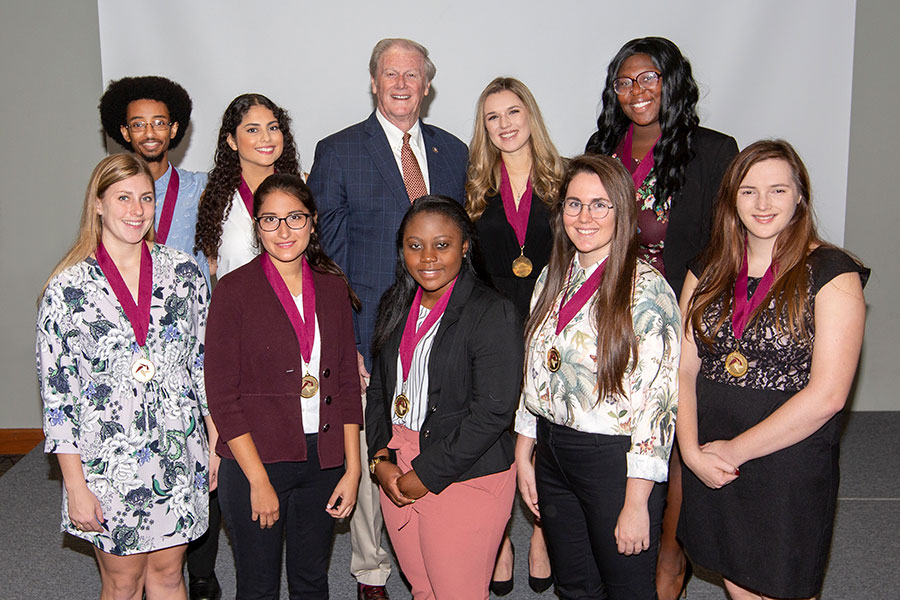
<point x="108" y="171"/>
<point x="484" y="157"/>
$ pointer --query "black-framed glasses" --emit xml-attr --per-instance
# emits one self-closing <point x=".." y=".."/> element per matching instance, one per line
<point x="596" y="208"/>
<point x="155" y="124"/>
<point x="647" y="80"/>
<point x="294" y="221"/>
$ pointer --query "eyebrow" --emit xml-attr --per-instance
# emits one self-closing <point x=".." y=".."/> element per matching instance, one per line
<point x="141" y="118"/>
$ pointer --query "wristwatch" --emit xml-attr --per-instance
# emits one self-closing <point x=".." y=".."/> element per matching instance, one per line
<point x="373" y="462"/>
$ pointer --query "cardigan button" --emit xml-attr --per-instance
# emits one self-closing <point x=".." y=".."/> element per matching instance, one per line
<point x="325" y="427"/>
<point x="327" y="400"/>
<point x="326" y="372"/>
<point x="427" y="434"/>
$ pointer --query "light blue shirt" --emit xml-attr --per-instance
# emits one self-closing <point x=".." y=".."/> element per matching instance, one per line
<point x="184" y="220"/>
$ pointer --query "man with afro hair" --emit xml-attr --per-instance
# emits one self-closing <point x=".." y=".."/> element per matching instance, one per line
<point x="149" y="116"/>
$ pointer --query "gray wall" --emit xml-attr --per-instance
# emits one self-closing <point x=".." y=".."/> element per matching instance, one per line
<point x="50" y="68"/>
<point x="50" y="65"/>
<point x="872" y="228"/>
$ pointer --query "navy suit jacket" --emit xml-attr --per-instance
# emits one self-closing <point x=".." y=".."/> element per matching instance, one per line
<point x="361" y="200"/>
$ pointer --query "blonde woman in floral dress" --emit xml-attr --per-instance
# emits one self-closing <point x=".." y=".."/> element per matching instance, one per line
<point x="600" y="392"/>
<point x="120" y="360"/>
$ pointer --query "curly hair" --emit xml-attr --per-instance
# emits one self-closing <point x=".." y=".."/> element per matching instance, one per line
<point x="611" y="310"/>
<point x="484" y="157"/>
<point x="677" y="116"/>
<point x="225" y="176"/>
<point x="122" y="92"/>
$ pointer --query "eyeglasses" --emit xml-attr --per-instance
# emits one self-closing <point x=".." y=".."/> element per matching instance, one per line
<point x="596" y="208"/>
<point x="155" y="124"/>
<point x="647" y="80"/>
<point x="294" y="221"/>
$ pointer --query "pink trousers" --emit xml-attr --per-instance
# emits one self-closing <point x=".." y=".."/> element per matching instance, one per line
<point x="447" y="543"/>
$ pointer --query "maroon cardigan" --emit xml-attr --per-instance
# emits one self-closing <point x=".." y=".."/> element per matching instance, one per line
<point x="254" y="369"/>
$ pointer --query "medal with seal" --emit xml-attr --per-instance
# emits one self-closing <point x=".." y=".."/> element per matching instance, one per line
<point x="143" y="370"/>
<point x="309" y="386"/>
<point x="401" y="405"/>
<point x="554" y="361"/>
<point x="521" y="266"/>
<point x="736" y="364"/>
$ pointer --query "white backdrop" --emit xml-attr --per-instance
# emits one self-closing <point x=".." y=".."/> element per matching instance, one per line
<point x="767" y="68"/>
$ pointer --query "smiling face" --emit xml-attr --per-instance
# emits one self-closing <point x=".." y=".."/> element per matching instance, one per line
<point x="126" y="211"/>
<point x="591" y="236"/>
<point x="507" y="122"/>
<point x="433" y="250"/>
<point x="639" y="105"/>
<point x="285" y="246"/>
<point x="259" y="141"/>
<point x="151" y="143"/>
<point x="400" y="85"/>
<point x="767" y="199"/>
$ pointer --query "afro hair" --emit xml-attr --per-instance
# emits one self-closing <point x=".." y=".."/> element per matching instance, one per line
<point x="121" y="93"/>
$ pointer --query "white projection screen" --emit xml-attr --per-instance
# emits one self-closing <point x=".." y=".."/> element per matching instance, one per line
<point x="766" y="68"/>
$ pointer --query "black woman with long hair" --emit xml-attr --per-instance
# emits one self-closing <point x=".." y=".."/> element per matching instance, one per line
<point x="649" y="122"/>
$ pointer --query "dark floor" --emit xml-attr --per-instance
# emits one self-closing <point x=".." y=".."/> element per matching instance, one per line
<point x="7" y="461"/>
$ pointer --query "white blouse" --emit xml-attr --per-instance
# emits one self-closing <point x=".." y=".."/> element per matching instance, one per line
<point x="237" y="244"/>
<point x="309" y="407"/>
<point x="417" y="382"/>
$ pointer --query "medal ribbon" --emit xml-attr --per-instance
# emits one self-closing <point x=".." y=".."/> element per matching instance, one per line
<point x="412" y="336"/>
<point x="168" y="208"/>
<point x="517" y="218"/>
<point x="742" y="307"/>
<point x="640" y="174"/>
<point x="137" y="314"/>
<point x="247" y="197"/>
<point x="568" y="310"/>
<point x="304" y="329"/>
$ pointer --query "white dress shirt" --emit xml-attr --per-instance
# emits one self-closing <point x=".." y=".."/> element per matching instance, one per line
<point x="416" y="142"/>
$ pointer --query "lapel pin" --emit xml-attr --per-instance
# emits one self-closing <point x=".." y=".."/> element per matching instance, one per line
<point x="434" y="149"/>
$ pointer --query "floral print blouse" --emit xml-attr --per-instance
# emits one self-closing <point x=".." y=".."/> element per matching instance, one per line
<point x="569" y="396"/>
<point x="143" y="446"/>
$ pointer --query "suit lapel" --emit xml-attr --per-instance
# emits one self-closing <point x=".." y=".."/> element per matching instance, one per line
<point x="378" y="148"/>
<point x="437" y="166"/>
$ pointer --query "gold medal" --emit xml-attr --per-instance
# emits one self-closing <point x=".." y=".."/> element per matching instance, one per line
<point x="309" y="386"/>
<point x="553" y="360"/>
<point x="521" y="266"/>
<point x="142" y="370"/>
<point x="736" y="364"/>
<point x="401" y="406"/>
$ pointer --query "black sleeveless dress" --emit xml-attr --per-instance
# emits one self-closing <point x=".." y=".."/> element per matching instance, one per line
<point x="770" y="529"/>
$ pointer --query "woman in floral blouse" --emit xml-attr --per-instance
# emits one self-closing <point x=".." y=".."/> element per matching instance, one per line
<point x="600" y="392"/>
<point x="120" y="360"/>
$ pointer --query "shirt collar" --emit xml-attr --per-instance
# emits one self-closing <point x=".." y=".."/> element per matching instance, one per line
<point x="395" y="134"/>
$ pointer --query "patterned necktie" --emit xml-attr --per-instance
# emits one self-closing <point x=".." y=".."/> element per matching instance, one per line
<point x="412" y="175"/>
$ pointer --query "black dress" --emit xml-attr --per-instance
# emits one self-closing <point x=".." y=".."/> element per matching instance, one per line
<point x="770" y="529"/>
<point x="499" y="248"/>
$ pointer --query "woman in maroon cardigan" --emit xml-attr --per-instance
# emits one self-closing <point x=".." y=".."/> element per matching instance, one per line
<point x="281" y="363"/>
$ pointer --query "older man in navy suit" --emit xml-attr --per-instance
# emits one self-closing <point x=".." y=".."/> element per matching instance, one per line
<point x="363" y="179"/>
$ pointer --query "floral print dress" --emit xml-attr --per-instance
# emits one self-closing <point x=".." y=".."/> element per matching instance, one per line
<point x="143" y="446"/>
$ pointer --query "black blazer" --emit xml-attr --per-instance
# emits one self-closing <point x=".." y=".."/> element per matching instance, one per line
<point x="474" y="379"/>
<point x="499" y="248"/>
<point x="690" y="217"/>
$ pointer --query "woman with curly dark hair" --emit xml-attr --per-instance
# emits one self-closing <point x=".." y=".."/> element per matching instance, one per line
<point x="649" y="122"/>
<point x="254" y="141"/>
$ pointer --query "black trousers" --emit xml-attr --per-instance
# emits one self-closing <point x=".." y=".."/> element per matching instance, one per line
<point x="580" y="480"/>
<point x="202" y="552"/>
<point x="303" y="490"/>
